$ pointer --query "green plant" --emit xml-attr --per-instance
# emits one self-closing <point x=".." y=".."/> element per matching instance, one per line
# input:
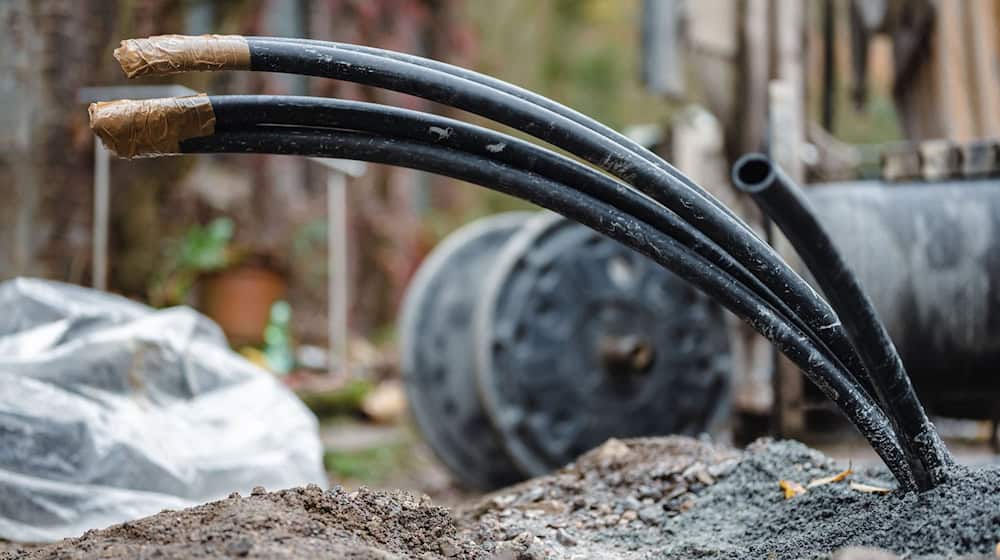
<point x="202" y="249"/>
<point x="368" y="466"/>
<point x="342" y="401"/>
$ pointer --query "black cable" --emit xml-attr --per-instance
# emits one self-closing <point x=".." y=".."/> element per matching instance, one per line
<point x="277" y="55"/>
<point x="527" y="95"/>
<point x="785" y="203"/>
<point x="692" y="204"/>
<point x="241" y="111"/>
<point x="604" y="218"/>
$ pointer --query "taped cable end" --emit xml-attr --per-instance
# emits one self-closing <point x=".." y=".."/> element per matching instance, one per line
<point x="151" y="127"/>
<point x="172" y="54"/>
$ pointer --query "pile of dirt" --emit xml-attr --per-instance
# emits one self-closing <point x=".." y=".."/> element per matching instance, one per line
<point x="645" y="498"/>
<point x="297" y="523"/>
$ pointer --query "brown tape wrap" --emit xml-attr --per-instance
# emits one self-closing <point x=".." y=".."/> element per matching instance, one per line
<point x="171" y="54"/>
<point x="151" y="127"/>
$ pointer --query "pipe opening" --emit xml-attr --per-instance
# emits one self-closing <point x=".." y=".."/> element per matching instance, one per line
<point x="752" y="173"/>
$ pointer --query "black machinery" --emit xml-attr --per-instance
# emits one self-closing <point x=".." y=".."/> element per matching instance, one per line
<point x="928" y="253"/>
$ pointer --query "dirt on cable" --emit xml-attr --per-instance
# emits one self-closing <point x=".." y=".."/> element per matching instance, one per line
<point x="668" y="497"/>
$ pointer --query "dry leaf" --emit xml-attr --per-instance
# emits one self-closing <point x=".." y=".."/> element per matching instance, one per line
<point x="831" y="479"/>
<point x="868" y="488"/>
<point x="791" y="488"/>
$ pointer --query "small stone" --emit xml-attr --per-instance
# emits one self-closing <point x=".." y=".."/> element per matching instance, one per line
<point x="613" y="450"/>
<point x="524" y="539"/>
<point x="723" y="468"/>
<point x="449" y="548"/>
<point x="630" y="503"/>
<point x="863" y="553"/>
<point x="533" y="495"/>
<point x="235" y="496"/>
<point x="258" y="491"/>
<point x="678" y="490"/>
<point x="646" y="492"/>
<point x="651" y="515"/>
<point x="704" y="478"/>
<point x="630" y="515"/>
<point x="240" y="547"/>
<point x="565" y="538"/>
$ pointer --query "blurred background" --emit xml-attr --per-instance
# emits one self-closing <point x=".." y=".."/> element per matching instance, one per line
<point x="827" y="87"/>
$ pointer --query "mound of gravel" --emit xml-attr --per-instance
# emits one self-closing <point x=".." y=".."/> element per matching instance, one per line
<point x="646" y="498"/>
<point x="745" y="515"/>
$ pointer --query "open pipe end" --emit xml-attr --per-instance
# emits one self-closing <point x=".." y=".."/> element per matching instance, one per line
<point x="172" y="54"/>
<point x="753" y="173"/>
<point x="151" y="127"/>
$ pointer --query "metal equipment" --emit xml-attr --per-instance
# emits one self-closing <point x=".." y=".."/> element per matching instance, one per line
<point x="928" y="255"/>
<point x="526" y="342"/>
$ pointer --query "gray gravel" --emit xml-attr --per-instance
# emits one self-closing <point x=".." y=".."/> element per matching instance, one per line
<point x="743" y="516"/>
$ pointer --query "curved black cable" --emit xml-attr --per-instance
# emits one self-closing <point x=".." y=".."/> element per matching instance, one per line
<point x="602" y="217"/>
<point x="693" y="205"/>
<point x="241" y="111"/>
<point x="528" y="96"/>
<point x="785" y="204"/>
<point x="277" y="55"/>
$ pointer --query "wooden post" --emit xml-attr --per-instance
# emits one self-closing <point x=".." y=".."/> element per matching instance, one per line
<point x="102" y="201"/>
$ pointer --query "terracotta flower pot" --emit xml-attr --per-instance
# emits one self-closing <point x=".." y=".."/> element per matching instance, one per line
<point x="239" y="299"/>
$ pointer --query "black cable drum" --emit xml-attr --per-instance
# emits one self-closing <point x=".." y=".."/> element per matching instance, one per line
<point x="603" y="342"/>
<point x="929" y="256"/>
<point x="435" y="357"/>
<point x="580" y="338"/>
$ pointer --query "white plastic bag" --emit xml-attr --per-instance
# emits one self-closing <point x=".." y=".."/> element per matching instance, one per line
<point x="111" y="410"/>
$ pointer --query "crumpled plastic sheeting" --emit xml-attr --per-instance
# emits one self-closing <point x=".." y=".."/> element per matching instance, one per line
<point x="111" y="410"/>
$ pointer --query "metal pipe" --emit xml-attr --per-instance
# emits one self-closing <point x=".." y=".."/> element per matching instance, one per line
<point x="785" y="204"/>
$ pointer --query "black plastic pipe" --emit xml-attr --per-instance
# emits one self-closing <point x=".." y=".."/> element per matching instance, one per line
<point x="527" y="95"/>
<point x="732" y="235"/>
<point x="242" y="111"/>
<point x="786" y="205"/>
<point x="602" y="217"/>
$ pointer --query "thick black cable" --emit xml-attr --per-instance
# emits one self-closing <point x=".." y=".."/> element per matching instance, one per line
<point x="276" y="55"/>
<point x="527" y="95"/>
<point x="786" y="205"/>
<point x="604" y="218"/>
<point x="241" y="111"/>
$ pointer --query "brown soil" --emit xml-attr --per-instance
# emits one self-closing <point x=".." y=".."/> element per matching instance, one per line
<point x="650" y="498"/>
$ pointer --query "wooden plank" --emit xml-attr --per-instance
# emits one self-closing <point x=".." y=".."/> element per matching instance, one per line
<point x="952" y="71"/>
<point x="981" y="21"/>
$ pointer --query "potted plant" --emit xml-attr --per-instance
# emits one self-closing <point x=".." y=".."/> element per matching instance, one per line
<point x="234" y="287"/>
